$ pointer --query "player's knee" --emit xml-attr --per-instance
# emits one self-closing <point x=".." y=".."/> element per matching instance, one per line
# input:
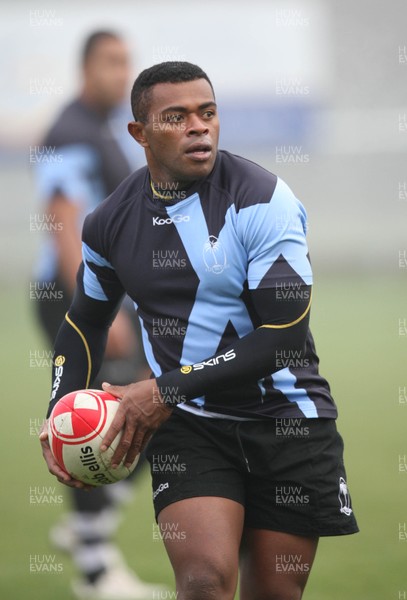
<point x="206" y="582"/>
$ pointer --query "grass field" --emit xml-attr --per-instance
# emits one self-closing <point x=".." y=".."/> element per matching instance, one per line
<point x="356" y="325"/>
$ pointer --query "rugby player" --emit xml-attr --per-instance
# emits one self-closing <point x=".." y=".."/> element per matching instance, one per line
<point x="215" y="245"/>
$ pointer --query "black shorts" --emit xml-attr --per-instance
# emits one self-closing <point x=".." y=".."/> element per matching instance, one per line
<point x="287" y="473"/>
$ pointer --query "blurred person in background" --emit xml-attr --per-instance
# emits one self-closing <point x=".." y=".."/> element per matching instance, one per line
<point x="94" y="160"/>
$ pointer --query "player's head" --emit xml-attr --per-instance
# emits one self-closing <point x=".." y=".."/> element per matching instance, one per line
<point x="106" y="68"/>
<point x="176" y="121"/>
<point x="166" y="72"/>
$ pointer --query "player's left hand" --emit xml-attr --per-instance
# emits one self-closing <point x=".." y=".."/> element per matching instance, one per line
<point x="53" y="466"/>
<point x="140" y="413"/>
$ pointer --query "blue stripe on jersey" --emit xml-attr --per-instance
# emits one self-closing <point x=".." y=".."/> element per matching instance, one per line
<point x="211" y="263"/>
<point x="91" y="256"/>
<point x="91" y="284"/>
<point x="147" y="347"/>
<point x="285" y="381"/>
<point x="199" y="401"/>
<point x="73" y="177"/>
<point x="273" y="229"/>
<point x="153" y="364"/>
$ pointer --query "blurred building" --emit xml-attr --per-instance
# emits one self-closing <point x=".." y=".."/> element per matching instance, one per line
<point x="307" y="88"/>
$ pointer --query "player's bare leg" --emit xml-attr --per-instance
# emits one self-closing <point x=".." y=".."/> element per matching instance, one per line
<point x="275" y="565"/>
<point x="206" y="561"/>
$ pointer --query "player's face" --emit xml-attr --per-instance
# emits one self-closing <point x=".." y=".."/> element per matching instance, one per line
<point x="107" y="72"/>
<point x="182" y="131"/>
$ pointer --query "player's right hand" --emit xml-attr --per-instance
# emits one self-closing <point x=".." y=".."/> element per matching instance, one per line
<point x="140" y="414"/>
<point x="53" y="466"/>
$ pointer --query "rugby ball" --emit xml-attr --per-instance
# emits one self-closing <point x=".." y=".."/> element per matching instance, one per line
<point x="76" y="427"/>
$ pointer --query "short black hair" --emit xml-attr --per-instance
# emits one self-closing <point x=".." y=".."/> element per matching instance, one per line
<point x="165" y="72"/>
<point x="94" y="39"/>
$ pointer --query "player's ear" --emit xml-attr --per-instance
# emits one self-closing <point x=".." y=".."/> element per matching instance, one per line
<point x="136" y="130"/>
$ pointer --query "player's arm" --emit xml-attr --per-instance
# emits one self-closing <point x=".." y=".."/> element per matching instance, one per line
<point x="80" y="344"/>
<point x="282" y="332"/>
<point x="283" y="328"/>
<point x="78" y="354"/>
<point x="81" y="339"/>
<point x="79" y="349"/>
<point x="66" y="214"/>
<point x="66" y="188"/>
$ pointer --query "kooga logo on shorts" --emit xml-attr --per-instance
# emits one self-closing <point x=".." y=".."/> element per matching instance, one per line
<point x="169" y="220"/>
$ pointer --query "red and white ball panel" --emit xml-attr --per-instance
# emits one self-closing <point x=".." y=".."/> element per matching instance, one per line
<point x="76" y="427"/>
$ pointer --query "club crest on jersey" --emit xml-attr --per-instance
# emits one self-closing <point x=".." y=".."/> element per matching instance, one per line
<point x="344" y="498"/>
<point x="214" y="255"/>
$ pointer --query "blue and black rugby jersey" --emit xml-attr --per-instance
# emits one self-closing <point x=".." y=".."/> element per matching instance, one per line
<point x="189" y="268"/>
<point x="86" y="156"/>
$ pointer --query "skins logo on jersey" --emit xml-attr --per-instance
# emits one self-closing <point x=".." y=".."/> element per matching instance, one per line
<point x="211" y="362"/>
<point x="76" y="428"/>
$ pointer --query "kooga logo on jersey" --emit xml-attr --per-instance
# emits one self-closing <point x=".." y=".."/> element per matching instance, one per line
<point x="169" y="220"/>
